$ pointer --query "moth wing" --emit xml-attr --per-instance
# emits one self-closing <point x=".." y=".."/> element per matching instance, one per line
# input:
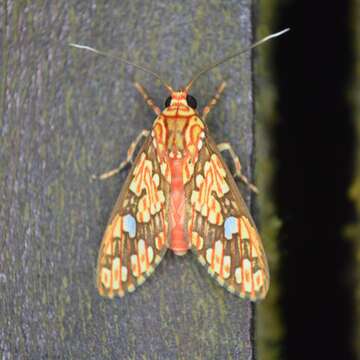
<point x="135" y="239"/>
<point x="222" y="232"/>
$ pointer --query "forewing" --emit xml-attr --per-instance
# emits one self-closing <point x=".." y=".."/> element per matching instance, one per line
<point x="222" y="233"/>
<point x="134" y="241"/>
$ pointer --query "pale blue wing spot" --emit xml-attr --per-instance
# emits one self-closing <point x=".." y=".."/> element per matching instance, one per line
<point x="130" y="225"/>
<point x="230" y="227"/>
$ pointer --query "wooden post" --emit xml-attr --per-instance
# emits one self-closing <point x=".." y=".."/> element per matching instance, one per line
<point x="67" y="114"/>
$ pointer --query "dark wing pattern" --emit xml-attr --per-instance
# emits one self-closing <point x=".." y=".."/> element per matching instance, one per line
<point x="135" y="239"/>
<point x="222" y="232"/>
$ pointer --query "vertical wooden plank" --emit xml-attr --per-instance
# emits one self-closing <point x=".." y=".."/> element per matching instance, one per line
<point x="66" y="115"/>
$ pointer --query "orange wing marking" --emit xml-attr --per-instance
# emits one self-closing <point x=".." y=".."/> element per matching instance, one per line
<point x="218" y="263"/>
<point x="144" y="179"/>
<point x="160" y="138"/>
<point x="248" y="274"/>
<point x="193" y="136"/>
<point x="213" y="181"/>
<point x="112" y="273"/>
<point x="141" y="261"/>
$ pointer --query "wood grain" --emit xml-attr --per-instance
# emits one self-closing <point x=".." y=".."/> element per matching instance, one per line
<point x="66" y="114"/>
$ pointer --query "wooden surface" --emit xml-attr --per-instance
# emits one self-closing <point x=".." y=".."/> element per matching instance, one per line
<point x="66" y="114"/>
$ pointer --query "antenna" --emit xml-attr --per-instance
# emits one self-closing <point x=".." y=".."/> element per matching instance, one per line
<point x="116" y="57"/>
<point x="217" y="63"/>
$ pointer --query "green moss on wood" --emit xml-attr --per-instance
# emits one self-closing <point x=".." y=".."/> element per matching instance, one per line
<point x="353" y="230"/>
<point x="269" y="323"/>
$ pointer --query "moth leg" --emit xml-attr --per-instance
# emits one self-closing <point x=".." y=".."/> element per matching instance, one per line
<point x="238" y="173"/>
<point x="129" y="158"/>
<point x="213" y="101"/>
<point x="147" y="98"/>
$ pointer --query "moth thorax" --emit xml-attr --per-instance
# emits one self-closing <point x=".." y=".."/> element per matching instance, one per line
<point x="176" y="138"/>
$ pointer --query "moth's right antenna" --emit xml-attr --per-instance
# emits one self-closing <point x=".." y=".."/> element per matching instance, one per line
<point x="217" y="63"/>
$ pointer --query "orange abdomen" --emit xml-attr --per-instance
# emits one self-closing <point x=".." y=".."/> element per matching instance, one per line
<point x="178" y="237"/>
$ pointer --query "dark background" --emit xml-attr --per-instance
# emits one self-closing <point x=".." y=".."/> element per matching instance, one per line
<point x="315" y="143"/>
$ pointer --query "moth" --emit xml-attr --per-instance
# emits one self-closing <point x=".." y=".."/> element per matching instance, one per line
<point x="180" y="195"/>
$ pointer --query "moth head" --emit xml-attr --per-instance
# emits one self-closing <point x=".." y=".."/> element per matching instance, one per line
<point x="181" y="97"/>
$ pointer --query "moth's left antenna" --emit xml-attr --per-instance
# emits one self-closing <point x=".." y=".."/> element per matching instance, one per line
<point x="116" y="57"/>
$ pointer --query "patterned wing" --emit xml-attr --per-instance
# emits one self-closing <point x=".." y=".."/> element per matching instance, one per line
<point x="135" y="237"/>
<point x="222" y="232"/>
